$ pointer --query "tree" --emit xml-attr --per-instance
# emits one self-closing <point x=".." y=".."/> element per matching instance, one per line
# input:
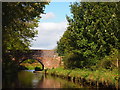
<point x="19" y="20"/>
<point x="93" y="31"/>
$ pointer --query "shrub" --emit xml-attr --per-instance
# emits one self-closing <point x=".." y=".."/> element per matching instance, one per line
<point x="37" y="69"/>
<point x="111" y="61"/>
<point x="71" y="61"/>
<point x="23" y="67"/>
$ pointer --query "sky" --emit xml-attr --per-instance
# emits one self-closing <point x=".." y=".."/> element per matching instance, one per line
<point x="51" y="26"/>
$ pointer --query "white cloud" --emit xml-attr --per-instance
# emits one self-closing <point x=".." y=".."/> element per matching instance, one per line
<point x="48" y="15"/>
<point x="48" y="35"/>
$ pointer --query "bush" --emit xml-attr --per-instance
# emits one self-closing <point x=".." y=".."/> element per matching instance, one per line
<point x="37" y="69"/>
<point x="23" y="67"/>
<point x="111" y="61"/>
<point x="72" y="60"/>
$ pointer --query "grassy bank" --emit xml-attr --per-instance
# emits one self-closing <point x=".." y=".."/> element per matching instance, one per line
<point x="99" y="78"/>
<point x="31" y="66"/>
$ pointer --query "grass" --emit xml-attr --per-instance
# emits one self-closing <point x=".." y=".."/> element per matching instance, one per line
<point x="103" y="76"/>
<point x="31" y="66"/>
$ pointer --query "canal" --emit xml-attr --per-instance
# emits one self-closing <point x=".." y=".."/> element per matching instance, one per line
<point x="28" y="79"/>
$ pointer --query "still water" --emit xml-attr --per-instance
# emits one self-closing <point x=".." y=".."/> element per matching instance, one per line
<point x="28" y="79"/>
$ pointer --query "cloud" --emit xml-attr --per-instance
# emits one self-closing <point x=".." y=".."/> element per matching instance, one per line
<point x="48" y="35"/>
<point x="48" y="15"/>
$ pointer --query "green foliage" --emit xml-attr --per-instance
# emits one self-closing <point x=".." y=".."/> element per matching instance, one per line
<point x="92" y="33"/>
<point x="19" y="20"/>
<point x="29" y="61"/>
<point x="37" y="69"/>
<point x="102" y="76"/>
<point x="72" y="61"/>
<point x="110" y="62"/>
<point x="23" y="68"/>
<point x="30" y="66"/>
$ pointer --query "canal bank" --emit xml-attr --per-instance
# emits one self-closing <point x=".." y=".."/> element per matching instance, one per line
<point x="97" y="79"/>
<point x="61" y="78"/>
<point x="27" y="79"/>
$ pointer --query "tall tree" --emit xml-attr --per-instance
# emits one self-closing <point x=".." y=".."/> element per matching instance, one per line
<point x="93" y="31"/>
<point x="19" y="20"/>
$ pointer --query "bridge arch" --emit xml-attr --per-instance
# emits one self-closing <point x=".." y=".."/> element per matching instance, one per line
<point x="34" y="59"/>
<point x="47" y="58"/>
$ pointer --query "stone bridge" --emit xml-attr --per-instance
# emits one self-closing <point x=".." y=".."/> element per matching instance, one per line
<point x="48" y="58"/>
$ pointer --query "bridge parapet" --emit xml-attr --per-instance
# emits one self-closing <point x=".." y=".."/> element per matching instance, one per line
<point x="48" y="58"/>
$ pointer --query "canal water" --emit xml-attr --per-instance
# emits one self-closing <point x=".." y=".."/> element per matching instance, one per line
<point x="28" y="79"/>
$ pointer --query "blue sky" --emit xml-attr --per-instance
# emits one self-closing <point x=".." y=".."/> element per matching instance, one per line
<point x="52" y="25"/>
<point x="60" y="9"/>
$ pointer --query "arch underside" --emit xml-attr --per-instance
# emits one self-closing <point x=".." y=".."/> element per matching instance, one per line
<point x="34" y="59"/>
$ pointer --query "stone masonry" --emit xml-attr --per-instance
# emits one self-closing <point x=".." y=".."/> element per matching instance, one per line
<point x="48" y="58"/>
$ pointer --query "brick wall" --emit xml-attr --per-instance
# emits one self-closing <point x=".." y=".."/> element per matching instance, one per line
<point x="49" y="58"/>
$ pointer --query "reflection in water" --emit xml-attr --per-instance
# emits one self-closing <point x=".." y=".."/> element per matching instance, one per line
<point x="28" y="79"/>
<point x="54" y="82"/>
<point x="25" y="79"/>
